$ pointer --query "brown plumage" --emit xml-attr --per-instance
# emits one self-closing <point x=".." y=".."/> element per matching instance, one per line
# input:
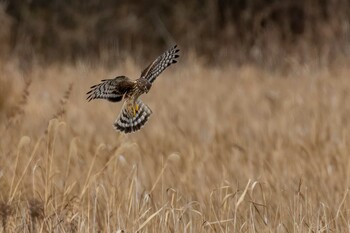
<point x="134" y="113"/>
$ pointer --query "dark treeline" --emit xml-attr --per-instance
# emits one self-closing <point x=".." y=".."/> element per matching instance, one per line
<point x="265" y="32"/>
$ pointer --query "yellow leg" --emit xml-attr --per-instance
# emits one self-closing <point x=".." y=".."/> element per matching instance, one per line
<point x="135" y="109"/>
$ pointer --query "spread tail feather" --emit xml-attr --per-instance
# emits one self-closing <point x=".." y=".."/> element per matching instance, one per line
<point x="127" y="122"/>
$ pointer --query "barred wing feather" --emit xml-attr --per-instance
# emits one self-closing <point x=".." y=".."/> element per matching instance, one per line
<point x="110" y="89"/>
<point x="160" y="64"/>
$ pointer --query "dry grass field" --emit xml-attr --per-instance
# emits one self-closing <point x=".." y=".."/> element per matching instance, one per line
<point x="226" y="150"/>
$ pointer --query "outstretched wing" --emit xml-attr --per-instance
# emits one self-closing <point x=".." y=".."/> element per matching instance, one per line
<point x="160" y="64"/>
<point x="110" y="89"/>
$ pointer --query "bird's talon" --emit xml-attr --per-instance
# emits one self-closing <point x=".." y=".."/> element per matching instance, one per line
<point x="135" y="109"/>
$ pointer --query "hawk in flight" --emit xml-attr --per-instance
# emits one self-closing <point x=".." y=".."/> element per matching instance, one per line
<point x="134" y="113"/>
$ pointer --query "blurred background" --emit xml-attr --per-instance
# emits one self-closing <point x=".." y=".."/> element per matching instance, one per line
<point x="272" y="34"/>
<point x="250" y="129"/>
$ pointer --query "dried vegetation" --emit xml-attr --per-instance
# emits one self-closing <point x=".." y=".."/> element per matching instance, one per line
<point x="226" y="150"/>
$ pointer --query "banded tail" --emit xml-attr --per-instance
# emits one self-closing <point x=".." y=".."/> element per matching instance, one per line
<point x="127" y="122"/>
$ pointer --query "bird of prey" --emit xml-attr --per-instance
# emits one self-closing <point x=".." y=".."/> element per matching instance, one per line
<point x="134" y="113"/>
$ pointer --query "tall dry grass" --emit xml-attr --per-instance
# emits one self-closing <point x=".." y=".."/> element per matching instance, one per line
<point x="226" y="150"/>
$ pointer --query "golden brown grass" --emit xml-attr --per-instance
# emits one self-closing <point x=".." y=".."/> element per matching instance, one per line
<point x="226" y="150"/>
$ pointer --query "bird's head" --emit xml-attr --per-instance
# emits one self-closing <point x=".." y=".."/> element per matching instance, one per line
<point x="143" y="84"/>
